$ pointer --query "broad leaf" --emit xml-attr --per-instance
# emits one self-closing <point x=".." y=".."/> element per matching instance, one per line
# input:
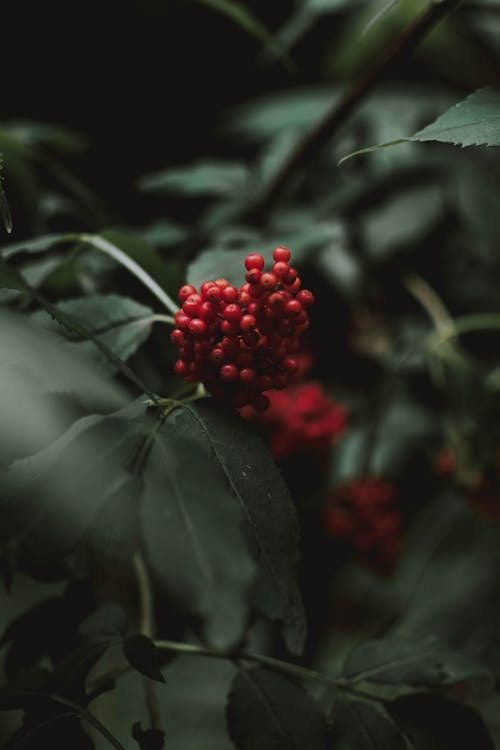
<point x="475" y="121"/>
<point x="192" y="533"/>
<point x="363" y="725"/>
<point x="10" y="278"/>
<point x="268" y="711"/>
<point x="202" y="178"/>
<point x="246" y="469"/>
<point x="418" y="662"/>
<point x="122" y="324"/>
<point x="123" y="481"/>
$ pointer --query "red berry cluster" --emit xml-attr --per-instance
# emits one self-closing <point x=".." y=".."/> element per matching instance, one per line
<point x="302" y="418"/>
<point x="240" y="342"/>
<point x="481" y="489"/>
<point x="363" y="511"/>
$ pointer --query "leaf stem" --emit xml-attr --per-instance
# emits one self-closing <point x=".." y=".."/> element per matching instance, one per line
<point x="329" y="124"/>
<point x="293" y="670"/>
<point x="147" y="629"/>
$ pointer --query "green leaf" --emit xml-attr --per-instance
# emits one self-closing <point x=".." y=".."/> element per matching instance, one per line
<point x="247" y="20"/>
<point x="34" y="245"/>
<point x="475" y="121"/>
<point x="246" y="469"/>
<point x="360" y="725"/>
<point x="268" y="711"/>
<point x="192" y="533"/>
<point x="34" y="133"/>
<point x="122" y="324"/>
<point x="4" y="206"/>
<point x="143" y="655"/>
<point x="417" y="661"/>
<point x="200" y="179"/>
<point x="10" y="278"/>
<point x="130" y="479"/>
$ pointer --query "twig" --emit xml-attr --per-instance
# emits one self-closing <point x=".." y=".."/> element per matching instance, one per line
<point x="323" y="130"/>
<point x="147" y="629"/>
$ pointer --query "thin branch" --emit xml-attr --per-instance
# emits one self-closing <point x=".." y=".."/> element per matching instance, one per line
<point x="147" y="629"/>
<point x="330" y="123"/>
<point x="285" y="667"/>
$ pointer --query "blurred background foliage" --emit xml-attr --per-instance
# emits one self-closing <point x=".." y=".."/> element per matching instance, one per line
<point x="157" y="126"/>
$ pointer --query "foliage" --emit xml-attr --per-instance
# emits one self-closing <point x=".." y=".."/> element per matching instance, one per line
<point x="176" y="575"/>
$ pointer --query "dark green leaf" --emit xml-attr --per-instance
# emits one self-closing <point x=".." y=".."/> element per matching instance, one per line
<point x="10" y="278"/>
<point x="143" y="655"/>
<point x="268" y="711"/>
<point x="193" y="536"/>
<point x="33" y="245"/>
<point x="363" y="725"/>
<point x="475" y="121"/>
<point x="122" y="324"/>
<point x="418" y="662"/>
<point x="251" y="478"/>
<point x="203" y="178"/>
<point x="143" y="254"/>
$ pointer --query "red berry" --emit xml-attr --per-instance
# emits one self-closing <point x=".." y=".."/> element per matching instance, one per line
<point x="232" y="313"/>
<point x="177" y="337"/>
<point x="293" y="308"/>
<point x="268" y="281"/>
<point x="221" y="283"/>
<point x="230" y="294"/>
<point x="185" y="291"/>
<point x="214" y="294"/>
<point x="305" y="297"/>
<point x="229" y="373"/>
<point x="217" y="356"/>
<point x="254" y="260"/>
<point x="228" y="328"/>
<point x="291" y="276"/>
<point x="294" y="288"/>
<point x="181" y="368"/>
<point x="256" y="291"/>
<point x="244" y="299"/>
<point x="205" y="287"/>
<point x="192" y="305"/>
<point x="282" y="254"/>
<point x="247" y="323"/>
<point x="276" y="301"/>
<point x="182" y="320"/>
<point x="281" y="269"/>
<point x="251" y="338"/>
<point x="253" y="276"/>
<point x="248" y="376"/>
<point x="198" y="327"/>
<point x="291" y="365"/>
<point x="207" y="311"/>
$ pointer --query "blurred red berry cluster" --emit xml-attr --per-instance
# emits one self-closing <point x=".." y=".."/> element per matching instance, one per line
<point x="364" y="512"/>
<point x="302" y="418"/>
<point x="240" y="342"/>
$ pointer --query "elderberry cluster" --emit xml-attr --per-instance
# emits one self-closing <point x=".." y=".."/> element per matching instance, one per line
<point x="364" y="512"/>
<point x="240" y="342"/>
